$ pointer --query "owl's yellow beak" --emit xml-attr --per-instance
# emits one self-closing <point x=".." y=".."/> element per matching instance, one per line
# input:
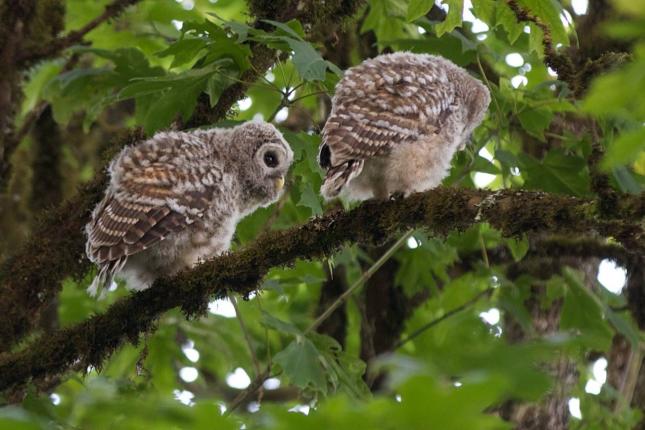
<point x="279" y="183"/>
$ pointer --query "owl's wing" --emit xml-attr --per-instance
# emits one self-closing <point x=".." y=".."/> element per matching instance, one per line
<point x="371" y="123"/>
<point x="141" y="214"/>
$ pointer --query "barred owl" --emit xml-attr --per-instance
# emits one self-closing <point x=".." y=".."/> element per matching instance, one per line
<point x="176" y="198"/>
<point x="395" y="123"/>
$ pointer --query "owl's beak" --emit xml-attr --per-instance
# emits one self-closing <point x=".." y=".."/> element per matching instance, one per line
<point x="279" y="182"/>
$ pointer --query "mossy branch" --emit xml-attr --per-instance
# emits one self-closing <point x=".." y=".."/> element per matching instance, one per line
<point x="441" y="210"/>
<point x="562" y="64"/>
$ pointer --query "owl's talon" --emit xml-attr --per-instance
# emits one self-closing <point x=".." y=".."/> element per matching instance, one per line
<point x="399" y="195"/>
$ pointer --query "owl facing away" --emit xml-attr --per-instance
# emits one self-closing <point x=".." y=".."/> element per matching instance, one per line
<point x="395" y="123"/>
<point x="176" y="198"/>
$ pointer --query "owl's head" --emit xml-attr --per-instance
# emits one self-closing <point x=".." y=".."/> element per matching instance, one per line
<point x="268" y="157"/>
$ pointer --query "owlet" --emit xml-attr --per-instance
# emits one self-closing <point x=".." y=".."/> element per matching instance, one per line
<point x="395" y="123"/>
<point x="176" y="198"/>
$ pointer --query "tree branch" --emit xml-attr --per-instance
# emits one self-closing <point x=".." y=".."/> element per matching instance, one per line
<point x="50" y="50"/>
<point x="577" y="76"/>
<point x="558" y="62"/>
<point x="440" y="210"/>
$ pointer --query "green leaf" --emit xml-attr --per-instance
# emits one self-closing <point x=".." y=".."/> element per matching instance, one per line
<point x="549" y="12"/>
<point x="536" y="36"/>
<point x="38" y="80"/>
<point x="459" y="50"/>
<point x="178" y="102"/>
<point x="625" y="326"/>
<point x="128" y="62"/>
<point x="300" y="361"/>
<point x="418" y="8"/>
<point x="215" y="85"/>
<point x="242" y="30"/>
<point x="612" y="95"/>
<point x="277" y="324"/>
<point x="309" y="199"/>
<point x="507" y="158"/>
<point x="308" y="62"/>
<point x="481" y="164"/>
<point x="626" y="180"/>
<point x="386" y="18"/>
<point x="557" y="172"/>
<point x="631" y="7"/>
<point x="498" y="14"/>
<point x="183" y="51"/>
<point x="582" y="314"/>
<point x="518" y="247"/>
<point x="453" y="18"/>
<point x="535" y="120"/>
<point x="344" y="371"/>
<point x="625" y="149"/>
<point x="291" y="28"/>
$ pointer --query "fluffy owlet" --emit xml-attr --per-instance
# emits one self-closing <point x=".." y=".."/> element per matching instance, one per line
<point x="395" y="123"/>
<point x="176" y="198"/>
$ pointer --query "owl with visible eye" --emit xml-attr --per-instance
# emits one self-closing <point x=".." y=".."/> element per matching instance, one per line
<point x="176" y="198"/>
<point x="395" y="123"/>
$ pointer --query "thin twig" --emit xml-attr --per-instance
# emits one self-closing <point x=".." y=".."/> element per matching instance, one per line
<point x="33" y="115"/>
<point x="562" y="64"/>
<point x="252" y="388"/>
<point x="27" y="123"/>
<point x="492" y="95"/>
<point x="278" y="109"/>
<point x="315" y="93"/>
<point x="443" y="317"/>
<point x="247" y="336"/>
<point x="484" y="252"/>
<point x="630" y="379"/>
<point x="364" y="277"/>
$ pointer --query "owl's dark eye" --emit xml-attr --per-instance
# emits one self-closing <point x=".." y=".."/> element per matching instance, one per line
<point x="270" y="159"/>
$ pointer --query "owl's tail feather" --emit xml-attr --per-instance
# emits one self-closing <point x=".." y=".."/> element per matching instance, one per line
<point x="105" y="277"/>
<point x="337" y="176"/>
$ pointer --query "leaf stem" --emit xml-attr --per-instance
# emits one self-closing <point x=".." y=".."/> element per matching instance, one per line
<point x="247" y="336"/>
<point x="484" y="252"/>
<point x="443" y="317"/>
<point x="364" y="277"/>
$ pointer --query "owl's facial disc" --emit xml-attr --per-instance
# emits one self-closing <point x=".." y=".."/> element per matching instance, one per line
<point x="273" y="159"/>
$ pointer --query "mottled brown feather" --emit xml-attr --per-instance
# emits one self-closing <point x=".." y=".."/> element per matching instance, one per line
<point x="112" y="239"/>
<point x="394" y="100"/>
<point x="368" y="126"/>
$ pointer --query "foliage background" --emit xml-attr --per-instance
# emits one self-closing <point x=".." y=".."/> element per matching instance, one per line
<point x="463" y="329"/>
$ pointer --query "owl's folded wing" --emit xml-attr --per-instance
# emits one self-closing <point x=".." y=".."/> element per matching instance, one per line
<point x="141" y="214"/>
<point x="371" y="122"/>
<point x="372" y="125"/>
<point x="363" y="129"/>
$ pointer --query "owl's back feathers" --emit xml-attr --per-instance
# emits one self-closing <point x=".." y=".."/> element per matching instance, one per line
<point x="394" y="100"/>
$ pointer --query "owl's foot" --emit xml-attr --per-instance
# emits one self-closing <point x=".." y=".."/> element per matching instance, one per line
<point x="399" y="195"/>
